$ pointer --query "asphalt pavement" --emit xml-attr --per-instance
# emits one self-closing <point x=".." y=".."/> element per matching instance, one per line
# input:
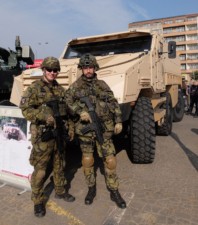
<point x="162" y="193"/>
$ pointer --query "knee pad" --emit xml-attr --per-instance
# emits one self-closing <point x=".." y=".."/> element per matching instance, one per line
<point x="111" y="162"/>
<point x="87" y="161"/>
<point x="40" y="174"/>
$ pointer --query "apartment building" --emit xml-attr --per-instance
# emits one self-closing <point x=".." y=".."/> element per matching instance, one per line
<point x="184" y="31"/>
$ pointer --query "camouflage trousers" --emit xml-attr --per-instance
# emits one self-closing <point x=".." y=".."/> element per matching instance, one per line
<point x="105" y="151"/>
<point x="44" y="153"/>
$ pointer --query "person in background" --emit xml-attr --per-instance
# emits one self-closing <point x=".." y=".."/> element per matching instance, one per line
<point x="196" y="100"/>
<point x="36" y="109"/>
<point x="90" y="98"/>
<point x="187" y="95"/>
<point x="184" y="93"/>
<point x="193" y="97"/>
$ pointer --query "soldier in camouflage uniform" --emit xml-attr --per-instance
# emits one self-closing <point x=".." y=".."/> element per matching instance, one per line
<point x="109" y="113"/>
<point x="34" y="109"/>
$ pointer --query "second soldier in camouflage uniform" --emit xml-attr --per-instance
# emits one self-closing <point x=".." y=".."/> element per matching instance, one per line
<point x="34" y="109"/>
<point x="107" y="109"/>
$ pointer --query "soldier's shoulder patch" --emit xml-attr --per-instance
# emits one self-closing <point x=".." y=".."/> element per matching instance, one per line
<point x="23" y="101"/>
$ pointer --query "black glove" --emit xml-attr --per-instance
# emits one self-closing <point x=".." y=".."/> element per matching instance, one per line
<point x="48" y="135"/>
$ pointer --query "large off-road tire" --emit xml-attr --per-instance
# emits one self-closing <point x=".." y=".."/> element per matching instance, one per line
<point x="178" y="110"/>
<point x="142" y="131"/>
<point x="166" y="128"/>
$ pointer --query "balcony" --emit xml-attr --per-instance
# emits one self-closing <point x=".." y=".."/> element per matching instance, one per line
<point x="189" y="61"/>
<point x="175" y="24"/>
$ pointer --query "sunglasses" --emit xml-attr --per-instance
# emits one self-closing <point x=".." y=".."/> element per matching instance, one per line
<point x="55" y="70"/>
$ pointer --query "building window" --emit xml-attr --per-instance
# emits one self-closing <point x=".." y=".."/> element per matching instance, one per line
<point x="168" y="22"/>
<point x="179" y="20"/>
<point x="180" y="29"/>
<point x="171" y="30"/>
<point x="193" y="66"/>
<point x="180" y="38"/>
<point x="192" y="47"/>
<point x="168" y="39"/>
<point x="192" y="56"/>
<point x="191" y="18"/>
<point x="192" y="27"/>
<point x="183" y="67"/>
<point x="180" y="48"/>
<point x="177" y="38"/>
<point x="146" y="25"/>
<point x="167" y="30"/>
<point x="192" y="37"/>
<point x="182" y="57"/>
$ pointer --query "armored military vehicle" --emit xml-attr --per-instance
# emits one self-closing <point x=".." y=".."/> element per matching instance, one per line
<point x="12" y="64"/>
<point x="11" y="130"/>
<point x="144" y="74"/>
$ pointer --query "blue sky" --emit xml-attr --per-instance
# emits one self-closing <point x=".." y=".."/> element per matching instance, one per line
<point x="47" y="25"/>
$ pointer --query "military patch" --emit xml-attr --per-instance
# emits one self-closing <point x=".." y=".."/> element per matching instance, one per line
<point x="42" y="94"/>
<point x="23" y="100"/>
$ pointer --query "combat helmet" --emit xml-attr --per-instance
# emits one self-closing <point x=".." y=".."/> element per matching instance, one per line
<point x="88" y="60"/>
<point x="50" y="62"/>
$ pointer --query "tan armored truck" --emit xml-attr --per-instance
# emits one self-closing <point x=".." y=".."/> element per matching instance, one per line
<point x="144" y="74"/>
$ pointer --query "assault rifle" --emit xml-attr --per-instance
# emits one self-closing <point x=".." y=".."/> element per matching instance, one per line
<point x="59" y="133"/>
<point x="96" y="125"/>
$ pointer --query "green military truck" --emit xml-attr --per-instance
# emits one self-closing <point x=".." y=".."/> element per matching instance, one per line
<point x="11" y="65"/>
<point x="144" y="74"/>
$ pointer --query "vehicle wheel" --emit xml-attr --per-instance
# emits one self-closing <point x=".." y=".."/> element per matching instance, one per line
<point x="178" y="111"/>
<point x="166" y="128"/>
<point x="142" y="131"/>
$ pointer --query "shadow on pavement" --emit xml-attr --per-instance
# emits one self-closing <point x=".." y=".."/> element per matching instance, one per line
<point x="194" y="130"/>
<point x="73" y="163"/>
<point x="122" y="143"/>
<point x="193" y="158"/>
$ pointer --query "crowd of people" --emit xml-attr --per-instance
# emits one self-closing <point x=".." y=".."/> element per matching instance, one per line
<point x="190" y="94"/>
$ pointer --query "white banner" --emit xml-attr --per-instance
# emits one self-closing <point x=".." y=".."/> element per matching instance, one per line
<point x="15" y="148"/>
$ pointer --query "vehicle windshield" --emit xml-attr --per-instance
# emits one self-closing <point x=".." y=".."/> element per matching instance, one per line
<point x="110" y="47"/>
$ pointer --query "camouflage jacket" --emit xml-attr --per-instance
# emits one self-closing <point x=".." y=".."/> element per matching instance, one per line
<point x="101" y="97"/>
<point x="35" y="97"/>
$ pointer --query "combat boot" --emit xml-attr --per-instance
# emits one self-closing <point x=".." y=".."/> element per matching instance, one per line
<point x="66" y="197"/>
<point x="189" y="112"/>
<point x="39" y="210"/>
<point x="116" y="197"/>
<point x="90" y="195"/>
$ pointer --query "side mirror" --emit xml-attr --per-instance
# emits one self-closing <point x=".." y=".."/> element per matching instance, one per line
<point x="171" y="49"/>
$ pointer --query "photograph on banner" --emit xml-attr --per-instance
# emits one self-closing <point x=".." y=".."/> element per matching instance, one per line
<point x="13" y="128"/>
<point x="15" y="145"/>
